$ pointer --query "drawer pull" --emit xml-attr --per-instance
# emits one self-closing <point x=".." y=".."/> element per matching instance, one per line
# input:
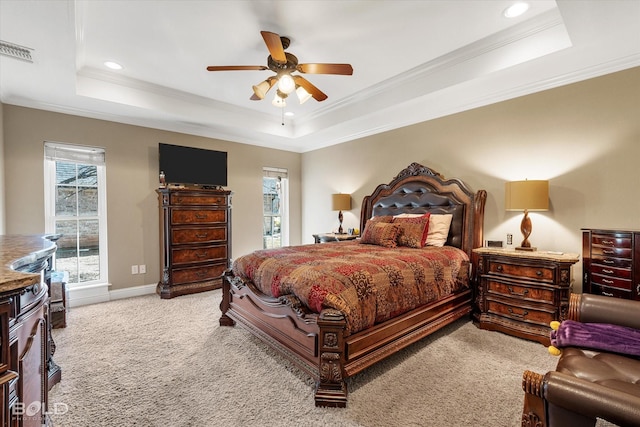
<point x="608" y="252"/>
<point x="608" y="281"/>
<point x="608" y="261"/>
<point x="638" y="289"/>
<point x="200" y="216"/>
<point x="201" y="254"/>
<point x="607" y="294"/>
<point x="524" y="313"/>
<point x="607" y="242"/>
<point x="520" y="294"/>
<point x="606" y="270"/>
<point x="499" y="268"/>
<point x="201" y="236"/>
<point x="539" y="273"/>
<point x="201" y="274"/>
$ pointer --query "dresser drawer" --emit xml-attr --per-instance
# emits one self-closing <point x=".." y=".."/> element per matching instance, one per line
<point x="623" y="273"/>
<point x="611" y="262"/>
<point x="521" y="313"/>
<point x="619" y="240"/>
<point x="612" y="282"/>
<point x="522" y="271"/>
<point x="202" y="254"/>
<point x="198" y="216"/>
<point x="610" y="292"/>
<point x="198" y="274"/>
<point x="522" y="292"/>
<point x="611" y="252"/>
<point x="198" y="235"/>
<point x="197" y="199"/>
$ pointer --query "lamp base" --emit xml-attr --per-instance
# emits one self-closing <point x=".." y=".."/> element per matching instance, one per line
<point x="529" y="249"/>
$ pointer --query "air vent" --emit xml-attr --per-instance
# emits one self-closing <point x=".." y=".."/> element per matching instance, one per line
<point x="15" y="51"/>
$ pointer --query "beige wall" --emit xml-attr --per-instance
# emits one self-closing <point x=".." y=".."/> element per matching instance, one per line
<point x="132" y="177"/>
<point x="584" y="138"/>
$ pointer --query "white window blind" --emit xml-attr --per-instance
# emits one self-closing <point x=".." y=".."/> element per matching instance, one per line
<point x="274" y="172"/>
<point x="74" y="153"/>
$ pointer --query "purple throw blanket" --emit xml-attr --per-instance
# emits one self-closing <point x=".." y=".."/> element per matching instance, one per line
<point x="597" y="336"/>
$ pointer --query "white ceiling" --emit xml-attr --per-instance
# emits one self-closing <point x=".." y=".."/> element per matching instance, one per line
<point x="413" y="60"/>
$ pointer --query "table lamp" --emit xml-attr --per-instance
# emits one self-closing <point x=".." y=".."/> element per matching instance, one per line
<point x="341" y="202"/>
<point x="528" y="196"/>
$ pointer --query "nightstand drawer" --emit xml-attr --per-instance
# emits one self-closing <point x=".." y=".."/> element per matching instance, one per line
<point x="521" y="313"/>
<point x="522" y="271"/>
<point x="198" y="235"/>
<point x="521" y="292"/>
<point x="198" y="216"/>
<point x="203" y="254"/>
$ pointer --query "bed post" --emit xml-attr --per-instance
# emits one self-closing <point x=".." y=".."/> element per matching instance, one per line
<point x="225" y="304"/>
<point x="331" y="389"/>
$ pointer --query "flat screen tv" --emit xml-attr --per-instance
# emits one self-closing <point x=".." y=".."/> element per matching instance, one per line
<point x="193" y="166"/>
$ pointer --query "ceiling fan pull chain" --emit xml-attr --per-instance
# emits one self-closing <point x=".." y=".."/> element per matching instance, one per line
<point x="282" y="111"/>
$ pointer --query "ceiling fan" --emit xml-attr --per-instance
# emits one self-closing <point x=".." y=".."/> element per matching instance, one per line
<point x="284" y="64"/>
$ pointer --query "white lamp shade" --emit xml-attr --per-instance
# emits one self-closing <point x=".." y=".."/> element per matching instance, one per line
<point x="286" y="84"/>
<point x="303" y="95"/>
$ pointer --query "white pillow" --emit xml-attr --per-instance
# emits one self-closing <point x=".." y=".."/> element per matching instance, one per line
<point x="438" y="229"/>
<point x="408" y="215"/>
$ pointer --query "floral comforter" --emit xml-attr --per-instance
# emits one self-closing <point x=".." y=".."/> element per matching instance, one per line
<point x="368" y="283"/>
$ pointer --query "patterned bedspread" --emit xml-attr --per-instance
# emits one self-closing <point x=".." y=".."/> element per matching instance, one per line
<point x="368" y="283"/>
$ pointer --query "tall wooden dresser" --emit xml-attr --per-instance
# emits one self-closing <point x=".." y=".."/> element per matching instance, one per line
<point x="195" y="239"/>
<point x="611" y="262"/>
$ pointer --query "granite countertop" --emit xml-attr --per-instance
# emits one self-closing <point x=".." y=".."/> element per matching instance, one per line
<point x="21" y="252"/>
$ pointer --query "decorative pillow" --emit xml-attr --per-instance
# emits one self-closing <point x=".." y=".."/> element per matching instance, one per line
<point x="381" y="218"/>
<point x="438" y="229"/>
<point x="413" y="230"/>
<point x="380" y="233"/>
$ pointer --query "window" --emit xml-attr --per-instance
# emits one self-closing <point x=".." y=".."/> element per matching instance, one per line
<point x="275" y="208"/>
<point x="75" y="206"/>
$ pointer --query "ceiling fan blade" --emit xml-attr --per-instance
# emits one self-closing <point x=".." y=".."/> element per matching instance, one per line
<point x="274" y="44"/>
<point x="236" y="68"/>
<point x="343" y="69"/>
<point x="316" y="93"/>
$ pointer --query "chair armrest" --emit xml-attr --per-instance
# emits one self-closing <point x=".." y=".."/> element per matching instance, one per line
<point x="591" y="399"/>
<point x="589" y="308"/>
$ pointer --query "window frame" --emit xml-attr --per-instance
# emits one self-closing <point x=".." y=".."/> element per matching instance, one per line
<point x="85" y="155"/>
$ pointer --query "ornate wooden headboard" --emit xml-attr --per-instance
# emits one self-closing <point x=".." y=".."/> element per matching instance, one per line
<point x="418" y="189"/>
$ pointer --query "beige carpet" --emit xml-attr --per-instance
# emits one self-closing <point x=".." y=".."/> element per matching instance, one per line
<point x="151" y="362"/>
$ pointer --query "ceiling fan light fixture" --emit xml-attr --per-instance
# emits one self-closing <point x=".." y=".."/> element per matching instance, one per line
<point x="279" y="100"/>
<point x="286" y="84"/>
<point x="262" y="88"/>
<point x="303" y="95"/>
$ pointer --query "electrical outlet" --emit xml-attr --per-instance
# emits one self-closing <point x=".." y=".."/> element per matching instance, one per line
<point x="134" y="269"/>
<point x="509" y="239"/>
<point x="142" y="269"/>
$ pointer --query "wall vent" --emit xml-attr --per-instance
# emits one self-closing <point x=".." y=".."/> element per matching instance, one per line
<point x="15" y="51"/>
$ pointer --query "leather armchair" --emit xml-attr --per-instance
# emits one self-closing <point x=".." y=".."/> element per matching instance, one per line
<point x="588" y="384"/>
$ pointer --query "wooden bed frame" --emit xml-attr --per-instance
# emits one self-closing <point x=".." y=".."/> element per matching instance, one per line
<point x="316" y="343"/>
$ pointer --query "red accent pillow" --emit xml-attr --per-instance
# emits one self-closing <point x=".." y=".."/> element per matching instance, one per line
<point x="381" y="234"/>
<point x="413" y="230"/>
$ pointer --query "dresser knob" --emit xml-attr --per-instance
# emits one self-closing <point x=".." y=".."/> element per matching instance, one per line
<point x="539" y="273"/>
<point x="499" y="268"/>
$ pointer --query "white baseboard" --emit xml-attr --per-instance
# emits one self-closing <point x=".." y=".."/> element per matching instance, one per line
<point x="94" y="294"/>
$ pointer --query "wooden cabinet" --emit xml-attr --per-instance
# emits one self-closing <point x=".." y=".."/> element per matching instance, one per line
<point x="195" y="240"/>
<point x="611" y="263"/>
<point x="520" y="292"/>
<point x="24" y="331"/>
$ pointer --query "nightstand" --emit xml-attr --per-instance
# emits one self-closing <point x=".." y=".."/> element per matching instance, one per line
<point x="520" y="292"/>
<point x="333" y="237"/>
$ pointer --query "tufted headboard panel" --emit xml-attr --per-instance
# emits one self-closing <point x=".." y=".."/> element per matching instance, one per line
<point x="418" y="189"/>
